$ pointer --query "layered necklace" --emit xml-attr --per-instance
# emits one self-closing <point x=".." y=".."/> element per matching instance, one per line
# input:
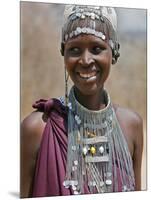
<point x="98" y="156"/>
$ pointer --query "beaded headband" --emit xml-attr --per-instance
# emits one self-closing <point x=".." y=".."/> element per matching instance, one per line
<point x="101" y="15"/>
<point x="85" y="30"/>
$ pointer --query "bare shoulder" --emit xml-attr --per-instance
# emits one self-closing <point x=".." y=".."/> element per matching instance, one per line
<point x="33" y="123"/>
<point x="31" y="130"/>
<point x="129" y="117"/>
<point x="32" y="126"/>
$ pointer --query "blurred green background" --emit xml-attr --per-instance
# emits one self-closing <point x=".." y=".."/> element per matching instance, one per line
<point x="42" y="68"/>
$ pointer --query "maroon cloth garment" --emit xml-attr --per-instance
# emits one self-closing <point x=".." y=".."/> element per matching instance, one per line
<point x="51" y="162"/>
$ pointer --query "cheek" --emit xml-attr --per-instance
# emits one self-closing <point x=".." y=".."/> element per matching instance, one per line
<point x="108" y="60"/>
<point x="105" y="64"/>
<point x="110" y="56"/>
<point x="105" y="60"/>
<point x="69" y="63"/>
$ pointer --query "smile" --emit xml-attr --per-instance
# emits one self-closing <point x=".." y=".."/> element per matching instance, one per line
<point x="90" y="76"/>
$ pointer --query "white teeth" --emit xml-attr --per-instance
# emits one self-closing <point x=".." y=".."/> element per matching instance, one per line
<point x="92" y="78"/>
<point x="83" y="75"/>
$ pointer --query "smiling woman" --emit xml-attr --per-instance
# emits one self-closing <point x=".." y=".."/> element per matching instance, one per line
<point x="83" y="143"/>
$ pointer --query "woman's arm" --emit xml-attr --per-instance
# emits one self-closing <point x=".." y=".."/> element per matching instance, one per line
<point x="31" y="132"/>
<point x="132" y="127"/>
<point x="138" y="149"/>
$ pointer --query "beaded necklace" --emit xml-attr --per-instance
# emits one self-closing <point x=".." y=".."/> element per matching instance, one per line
<point x="96" y="149"/>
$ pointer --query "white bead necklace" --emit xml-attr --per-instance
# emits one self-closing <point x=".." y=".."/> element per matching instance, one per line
<point x="96" y="148"/>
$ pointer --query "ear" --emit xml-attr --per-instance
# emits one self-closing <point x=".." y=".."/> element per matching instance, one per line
<point x="115" y="53"/>
<point x="114" y="60"/>
<point x="62" y="49"/>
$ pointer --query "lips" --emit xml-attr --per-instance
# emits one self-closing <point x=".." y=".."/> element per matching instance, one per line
<point x="87" y="75"/>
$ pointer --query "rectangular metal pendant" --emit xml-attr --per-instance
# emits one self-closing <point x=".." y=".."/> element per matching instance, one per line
<point x="96" y="126"/>
<point x="95" y="140"/>
<point x="89" y="159"/>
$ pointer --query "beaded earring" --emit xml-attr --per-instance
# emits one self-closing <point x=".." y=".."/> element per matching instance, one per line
<point x="66" y="86"/>
<point x="62" y="49"/>
<point x="115" y="53"/>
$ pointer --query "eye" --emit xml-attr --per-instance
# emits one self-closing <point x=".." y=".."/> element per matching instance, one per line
<point x="97" y="50"/>
<point x="74" y="51"/>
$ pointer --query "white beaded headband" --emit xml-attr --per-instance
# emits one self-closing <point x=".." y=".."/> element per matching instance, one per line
<point x="85" y="30"/>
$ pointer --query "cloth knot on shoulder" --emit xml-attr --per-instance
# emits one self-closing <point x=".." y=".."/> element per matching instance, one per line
<point x="48" y="106"/>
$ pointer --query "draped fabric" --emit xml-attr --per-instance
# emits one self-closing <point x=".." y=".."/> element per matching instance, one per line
<point x="51" y="161"/>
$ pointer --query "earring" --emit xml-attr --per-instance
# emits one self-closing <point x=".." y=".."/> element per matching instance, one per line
<point x="66" y="87"/>
<point x="113" y="61"/>
<point x="62" y="49"/>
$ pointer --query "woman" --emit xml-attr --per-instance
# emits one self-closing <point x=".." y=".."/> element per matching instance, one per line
<point x="84" y="143"/>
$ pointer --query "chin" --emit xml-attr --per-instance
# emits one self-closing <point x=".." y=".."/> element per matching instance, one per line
<point x="88" y="91"/>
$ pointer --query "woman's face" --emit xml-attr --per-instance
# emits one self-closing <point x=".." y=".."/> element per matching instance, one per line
<point x="88" y="59"/>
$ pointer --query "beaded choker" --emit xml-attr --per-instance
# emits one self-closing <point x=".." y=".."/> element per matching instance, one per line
<point x="98" y="156"/>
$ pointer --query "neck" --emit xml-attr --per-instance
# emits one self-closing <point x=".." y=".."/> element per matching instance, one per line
<point x="96" y="101"/>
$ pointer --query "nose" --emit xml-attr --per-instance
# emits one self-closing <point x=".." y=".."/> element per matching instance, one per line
<point x="86" y="58"/>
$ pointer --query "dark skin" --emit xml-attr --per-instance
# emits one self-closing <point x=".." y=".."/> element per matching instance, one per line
<point x="88" y="61"/>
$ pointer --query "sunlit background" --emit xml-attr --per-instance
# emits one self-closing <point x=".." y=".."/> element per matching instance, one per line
<point x="42" y="67"/>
